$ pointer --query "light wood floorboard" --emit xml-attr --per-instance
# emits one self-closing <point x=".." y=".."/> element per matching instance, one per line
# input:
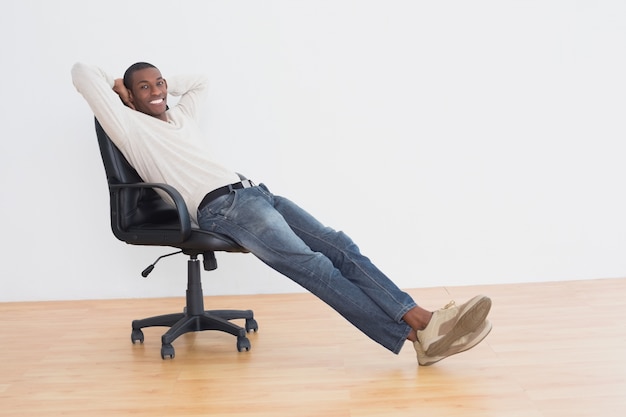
<point x="557" y="349"/>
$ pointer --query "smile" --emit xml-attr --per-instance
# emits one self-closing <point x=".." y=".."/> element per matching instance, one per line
<point x="157" y="101"/>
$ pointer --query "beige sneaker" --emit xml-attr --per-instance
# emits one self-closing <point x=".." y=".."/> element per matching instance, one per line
<point x="451" y="323"/>
<point x="460" y="345"/>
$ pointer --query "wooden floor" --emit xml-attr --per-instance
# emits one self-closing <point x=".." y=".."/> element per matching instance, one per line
<point x="557" y="349"/>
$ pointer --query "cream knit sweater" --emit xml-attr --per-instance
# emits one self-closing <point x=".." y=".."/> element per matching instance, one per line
<point x="166" y="152"/>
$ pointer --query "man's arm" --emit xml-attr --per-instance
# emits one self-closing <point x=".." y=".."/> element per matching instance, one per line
<point x="192" y="90"/>
<point x="106" y="103"/>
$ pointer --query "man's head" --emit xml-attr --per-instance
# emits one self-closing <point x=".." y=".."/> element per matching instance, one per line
<point x="147" y="89"/>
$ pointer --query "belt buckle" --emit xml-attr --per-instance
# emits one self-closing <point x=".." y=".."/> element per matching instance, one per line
<point x="243" y="184"/>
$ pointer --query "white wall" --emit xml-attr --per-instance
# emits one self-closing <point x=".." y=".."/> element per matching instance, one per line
<point x="458" y="142"/>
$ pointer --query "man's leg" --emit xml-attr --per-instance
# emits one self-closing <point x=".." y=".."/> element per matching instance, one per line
<point x="347" y="258"/>
<point x="249" y="217"/>
<point x="438" y="334"/>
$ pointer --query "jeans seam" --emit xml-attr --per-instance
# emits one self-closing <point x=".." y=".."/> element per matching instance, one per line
<point x="403" y="307"/>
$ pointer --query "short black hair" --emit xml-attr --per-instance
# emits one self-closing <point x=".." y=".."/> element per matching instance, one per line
<point x="137" y="66"/>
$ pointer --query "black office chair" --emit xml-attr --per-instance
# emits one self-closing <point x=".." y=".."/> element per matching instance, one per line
<point x="139" y="216"/>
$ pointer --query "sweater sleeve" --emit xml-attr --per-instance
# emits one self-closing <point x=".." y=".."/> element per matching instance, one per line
<point x="192" y="90"/>
<point x="96" y="87"/>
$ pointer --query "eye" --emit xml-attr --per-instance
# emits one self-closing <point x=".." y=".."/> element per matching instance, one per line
<point x="160" y="83"/>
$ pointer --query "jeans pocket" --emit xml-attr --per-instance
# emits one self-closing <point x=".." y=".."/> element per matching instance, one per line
<point x="221" y="205"/>
<point x="264" y="188"/>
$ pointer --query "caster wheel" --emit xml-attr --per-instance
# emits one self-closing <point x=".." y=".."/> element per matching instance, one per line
<point x="167" y="351"/>
<point x="251" y="325"/>
<point x="136" y="336"/>
<point x="243" y="344"/>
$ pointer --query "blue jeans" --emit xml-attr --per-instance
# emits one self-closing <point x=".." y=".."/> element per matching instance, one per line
<point x="324" y="261"/>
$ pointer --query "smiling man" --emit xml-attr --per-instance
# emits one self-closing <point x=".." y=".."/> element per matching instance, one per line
<point x="165" y="145"/>
<point x="143" y="89"/>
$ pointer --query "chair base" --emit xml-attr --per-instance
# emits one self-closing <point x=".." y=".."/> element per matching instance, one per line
<point x="194" y="318"/>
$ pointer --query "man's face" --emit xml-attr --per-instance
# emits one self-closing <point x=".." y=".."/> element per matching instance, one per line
<point x="148" y="93"/>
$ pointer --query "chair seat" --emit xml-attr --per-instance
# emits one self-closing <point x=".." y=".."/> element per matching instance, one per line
<point x="198" y="239"/>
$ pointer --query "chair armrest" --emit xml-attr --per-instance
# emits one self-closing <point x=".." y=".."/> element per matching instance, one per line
<point x="163" y="236"/>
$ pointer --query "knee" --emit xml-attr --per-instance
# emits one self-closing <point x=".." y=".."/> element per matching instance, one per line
<point x="344" y="241"/>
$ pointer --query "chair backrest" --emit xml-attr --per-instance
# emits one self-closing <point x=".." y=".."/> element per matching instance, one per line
<point x="131" y="207"/>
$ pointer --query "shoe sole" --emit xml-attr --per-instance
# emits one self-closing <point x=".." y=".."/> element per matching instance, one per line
<point x="469" y="321"/>
<point x="424" y="360"/>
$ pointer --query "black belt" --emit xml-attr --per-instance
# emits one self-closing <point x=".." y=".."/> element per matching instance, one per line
<point x="218" y="192"/>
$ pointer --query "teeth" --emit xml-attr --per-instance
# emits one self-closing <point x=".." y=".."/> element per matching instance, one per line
<point x="159" y="101"/>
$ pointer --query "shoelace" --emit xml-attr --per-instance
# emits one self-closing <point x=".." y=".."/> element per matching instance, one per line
<point x="450" y="304"/>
